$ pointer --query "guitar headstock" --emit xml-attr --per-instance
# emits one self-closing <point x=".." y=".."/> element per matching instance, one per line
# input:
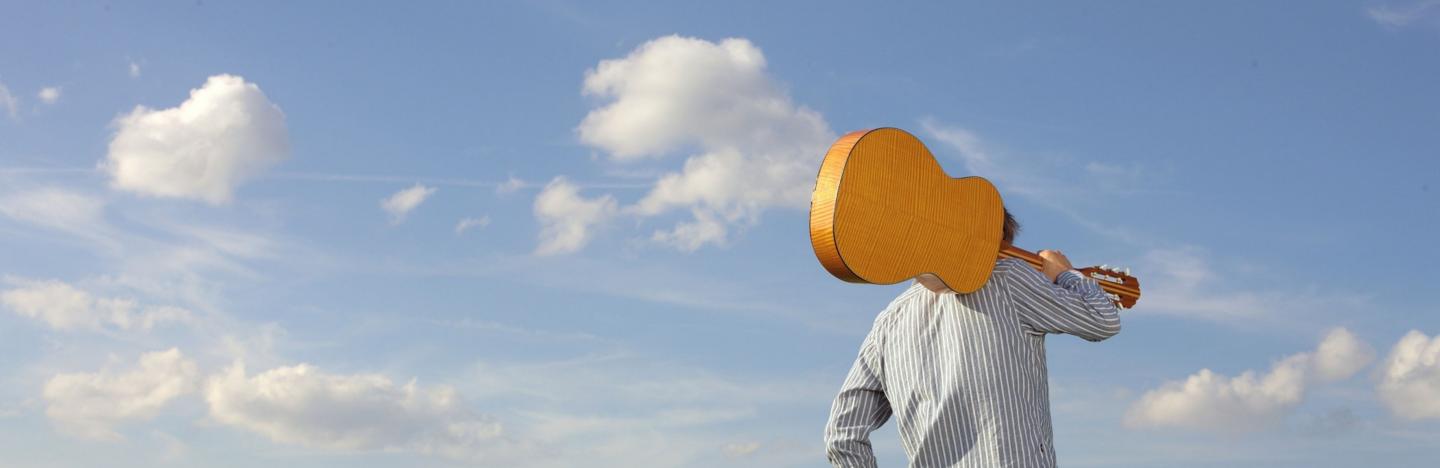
<point x="1117" y="283"/>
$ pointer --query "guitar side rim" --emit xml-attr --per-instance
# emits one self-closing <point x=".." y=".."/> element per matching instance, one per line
<point x="822" y="206"/>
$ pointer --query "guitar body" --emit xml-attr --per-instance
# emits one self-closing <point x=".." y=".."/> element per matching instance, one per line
<point x="884" y="211"/>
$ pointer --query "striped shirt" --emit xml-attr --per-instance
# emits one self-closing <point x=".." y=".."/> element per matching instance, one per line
<point x="964" y="374"/>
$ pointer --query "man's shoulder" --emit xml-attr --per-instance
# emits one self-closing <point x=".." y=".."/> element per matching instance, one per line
<point x="916" y="293"/>
<point x="1008" y="269"/>
<point x="1007" y="265"/>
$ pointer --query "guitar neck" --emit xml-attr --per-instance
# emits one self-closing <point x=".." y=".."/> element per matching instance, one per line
<point x="1029" y="257"/>
<point x="1115" y="289"/>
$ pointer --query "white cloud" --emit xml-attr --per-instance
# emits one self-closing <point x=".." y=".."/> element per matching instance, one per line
<point x="567" y="218"/>
<point x="1395" y="17"/>
<point x="688" y="236"/>
<point x="756" y="148"/>
<point x="65" y="307"/>
<point x="467" y="223"/>
<point x="1340" y="355"/>
<point x="400" y="204"/>
<point x="510" y="185"/>
<point x="89" y="405"/>
<point x="1208" y="400"/>
<point x="9" y="102"/>
<point x="1410" y="379"/>
<point x="301" y="405"/>
<point x="134" y="69"/>
<point x="49" y="94"/>
<point x="226" y="133"/>
<point x="1250" y="401"/>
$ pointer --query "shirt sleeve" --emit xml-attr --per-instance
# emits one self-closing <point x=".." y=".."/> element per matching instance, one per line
<point x="859" y="409"/>
<point x="1073" y="304"/>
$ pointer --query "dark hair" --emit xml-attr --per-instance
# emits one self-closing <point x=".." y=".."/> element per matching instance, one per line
<point x="1011" y="228"/>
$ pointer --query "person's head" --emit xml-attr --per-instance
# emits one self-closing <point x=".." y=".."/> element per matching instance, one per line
<point x="1009" y="230"/>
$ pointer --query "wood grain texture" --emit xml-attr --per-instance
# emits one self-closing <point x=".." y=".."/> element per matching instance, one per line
<point x="883" y="211"/>
<point x="822" y="207"/>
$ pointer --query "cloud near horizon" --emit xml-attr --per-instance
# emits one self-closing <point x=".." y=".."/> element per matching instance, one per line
<point x="89" y="405"/>
<point x="1211" y="401"/>
<point x="301" y="405"/>
<point x="1410" y="377"/>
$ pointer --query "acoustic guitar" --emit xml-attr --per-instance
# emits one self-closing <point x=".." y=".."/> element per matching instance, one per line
<point x="884" y="211"/>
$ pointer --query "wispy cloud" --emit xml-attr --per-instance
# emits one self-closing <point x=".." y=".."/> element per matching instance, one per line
<point x="9" y="102"/>
<point x="1178" y="278"/>
<point x="622" y="409"/>
<point x="77" y="213"/>
<point x="1396" y="16"/>
<point x="505" y="186"/>
<point x="516" y="331"/>
<point x="1186" y="282"/>
<point x="399" y="204"/>
<point x="1040" y="181"/>
<point x="663" y="285"/>
<point x="65" y="307"/>
<point x="145" y="261"/>
<point x="510" y="185"/>
<point x="468" y="223"/>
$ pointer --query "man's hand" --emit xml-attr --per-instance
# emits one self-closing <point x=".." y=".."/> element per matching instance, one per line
<point x="1055" y="263"/>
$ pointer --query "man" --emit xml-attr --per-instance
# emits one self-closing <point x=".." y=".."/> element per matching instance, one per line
<point x="964" y="374"/>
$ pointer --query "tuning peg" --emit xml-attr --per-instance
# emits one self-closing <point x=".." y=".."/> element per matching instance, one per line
<point x="1127" y="271"/>
<point x="1104" y="267"/>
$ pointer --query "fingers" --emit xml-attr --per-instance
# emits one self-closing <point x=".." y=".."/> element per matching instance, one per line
<point x="1055" y="258"/>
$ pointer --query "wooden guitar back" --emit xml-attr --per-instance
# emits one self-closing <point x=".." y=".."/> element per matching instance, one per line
<point x="884" y="211"/>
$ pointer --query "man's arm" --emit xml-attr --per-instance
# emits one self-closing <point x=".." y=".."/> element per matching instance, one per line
<point x="859" y="409"/>
<point x="1067" y="302"/>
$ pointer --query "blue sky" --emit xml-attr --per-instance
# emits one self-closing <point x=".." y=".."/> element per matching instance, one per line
<point x="551" y="233"/>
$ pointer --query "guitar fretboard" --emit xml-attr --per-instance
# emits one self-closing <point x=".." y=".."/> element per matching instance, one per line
<point x="1112" y="285"/>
